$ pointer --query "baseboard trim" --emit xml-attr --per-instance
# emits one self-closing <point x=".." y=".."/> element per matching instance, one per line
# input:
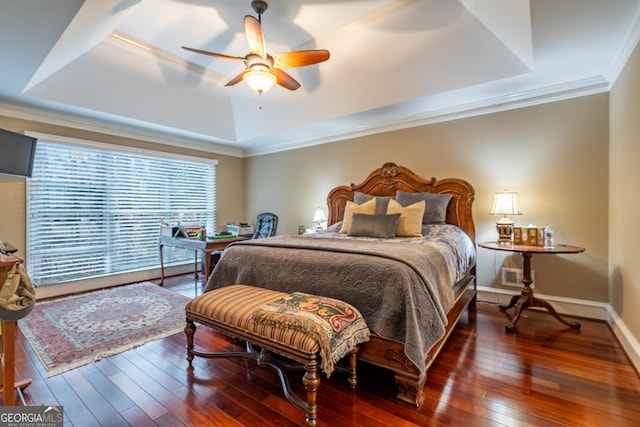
<point x="570" y="306"/>
<point x="628" y="342"/>
<point x="51" y="291"/>
<point x="579" y="308"/>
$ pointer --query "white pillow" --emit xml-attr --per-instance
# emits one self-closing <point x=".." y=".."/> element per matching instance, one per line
<point x="350" y="208"/>
<point x="410" y="224"/>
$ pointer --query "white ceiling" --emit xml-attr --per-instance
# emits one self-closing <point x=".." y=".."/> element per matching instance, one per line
<point x="117" y="66"/>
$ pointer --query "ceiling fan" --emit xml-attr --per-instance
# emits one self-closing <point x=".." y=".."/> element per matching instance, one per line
<point x="263" y="69"/>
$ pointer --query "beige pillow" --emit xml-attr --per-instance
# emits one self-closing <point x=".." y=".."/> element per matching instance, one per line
<point x="350" y="208"/>
<point x="410" y="224"/>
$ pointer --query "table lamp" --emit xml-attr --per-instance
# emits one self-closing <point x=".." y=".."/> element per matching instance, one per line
<point x="505" y="203"/>
<point x="319" y="217"/>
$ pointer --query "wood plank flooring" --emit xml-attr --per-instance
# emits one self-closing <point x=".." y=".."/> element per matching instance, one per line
<point x="543" y="374"/>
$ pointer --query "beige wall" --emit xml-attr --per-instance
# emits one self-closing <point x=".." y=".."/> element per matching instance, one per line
<point x="624" y="205"/>
<point x="554" y="155"/>
<point x="230" y="178"/>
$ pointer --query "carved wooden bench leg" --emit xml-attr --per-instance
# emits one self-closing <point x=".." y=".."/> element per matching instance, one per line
<point x="311" y="381"/>
<point x="353" y="375"/>
<point x="190" y="330"/>
<point x="264" y="358"/>
<point x="350" y="369"/>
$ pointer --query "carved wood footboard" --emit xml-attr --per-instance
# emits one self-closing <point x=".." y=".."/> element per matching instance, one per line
<point x="390" y="354"/>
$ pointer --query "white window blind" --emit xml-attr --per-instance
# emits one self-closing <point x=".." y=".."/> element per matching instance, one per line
<point x="95" y="211"/>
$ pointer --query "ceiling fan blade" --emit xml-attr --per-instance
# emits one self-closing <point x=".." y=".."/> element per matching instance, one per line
<point x="300" y="58"/>
<point x="284" y="79"/>
<point x="217" y="55"/>
<point x="237" y="79"/>
<point x="255" y="39"/>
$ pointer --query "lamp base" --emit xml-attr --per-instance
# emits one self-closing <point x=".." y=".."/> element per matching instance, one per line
<point x="505" y="232"/>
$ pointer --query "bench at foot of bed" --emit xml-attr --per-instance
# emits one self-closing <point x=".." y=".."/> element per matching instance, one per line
<point x="313" y="331"/>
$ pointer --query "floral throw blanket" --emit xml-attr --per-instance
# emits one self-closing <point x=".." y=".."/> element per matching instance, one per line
<point x="337" y="326"/>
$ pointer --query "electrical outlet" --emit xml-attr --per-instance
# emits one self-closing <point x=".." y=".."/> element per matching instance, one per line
<point x="513" y="277"/>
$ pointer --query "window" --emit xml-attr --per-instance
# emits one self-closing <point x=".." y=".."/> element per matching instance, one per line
<point x="94" y="210"/>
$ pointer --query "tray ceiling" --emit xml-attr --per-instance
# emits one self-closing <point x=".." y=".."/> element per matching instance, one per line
<point x="118" y="65"/>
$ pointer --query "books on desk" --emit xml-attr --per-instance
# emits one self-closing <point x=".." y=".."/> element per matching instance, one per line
<point x="222" y="236"/>
<point x="181" y="230"/>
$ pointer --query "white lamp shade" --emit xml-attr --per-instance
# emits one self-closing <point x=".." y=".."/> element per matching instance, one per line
<point x="319" y="216"/>
<point x="505" y="203"/>
<point x="259" y="80"/>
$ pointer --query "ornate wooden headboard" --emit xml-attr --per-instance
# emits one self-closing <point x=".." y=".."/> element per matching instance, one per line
<point x="390" y="178"/>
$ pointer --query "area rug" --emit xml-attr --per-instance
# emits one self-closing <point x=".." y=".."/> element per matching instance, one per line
<point x="74" y="331"/>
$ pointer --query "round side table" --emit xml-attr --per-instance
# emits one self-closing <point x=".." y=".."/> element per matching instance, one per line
<point x="526" y="298"/>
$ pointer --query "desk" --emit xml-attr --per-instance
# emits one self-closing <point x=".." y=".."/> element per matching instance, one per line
<point x="195" y="245"/>
<point x="526" y="298"/>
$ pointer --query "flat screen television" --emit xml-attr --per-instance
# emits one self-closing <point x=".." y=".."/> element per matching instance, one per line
<point x="16" y="153"/>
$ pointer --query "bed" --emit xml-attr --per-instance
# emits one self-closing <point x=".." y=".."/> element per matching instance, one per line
<point x="410" y="290"/>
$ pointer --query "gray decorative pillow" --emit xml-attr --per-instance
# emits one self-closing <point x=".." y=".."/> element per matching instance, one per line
<point x="381" y="201"/>
<point x="436" y="209"/>
<point x="383" y="226"/>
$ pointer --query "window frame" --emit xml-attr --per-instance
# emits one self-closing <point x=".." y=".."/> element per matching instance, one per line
<point x="180" y="257"/>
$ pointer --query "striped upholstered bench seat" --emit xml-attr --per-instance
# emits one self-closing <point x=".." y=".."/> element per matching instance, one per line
<point x="311" y="330"/>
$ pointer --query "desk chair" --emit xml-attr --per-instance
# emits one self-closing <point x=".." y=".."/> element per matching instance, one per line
<point x="266" y="225"/>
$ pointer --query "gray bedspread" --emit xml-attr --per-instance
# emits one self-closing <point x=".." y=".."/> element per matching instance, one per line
<point x="402" y="290"/>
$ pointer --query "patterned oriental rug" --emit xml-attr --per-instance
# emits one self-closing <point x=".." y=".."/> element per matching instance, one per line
<point x="74" y="331"/>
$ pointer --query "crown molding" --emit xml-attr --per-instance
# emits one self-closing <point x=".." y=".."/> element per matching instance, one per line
<point x="625" y="48"/>
<point x="554" y="93"/>
<point x="75" y="121"/>
<point x="507" y="102"/>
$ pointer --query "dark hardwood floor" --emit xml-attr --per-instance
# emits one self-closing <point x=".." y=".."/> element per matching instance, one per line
<point x="543" y="374"/>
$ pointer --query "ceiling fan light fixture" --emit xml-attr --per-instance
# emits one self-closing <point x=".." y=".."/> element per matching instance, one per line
<point x="259" y="80"/>
<point x="262" y="69"/>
